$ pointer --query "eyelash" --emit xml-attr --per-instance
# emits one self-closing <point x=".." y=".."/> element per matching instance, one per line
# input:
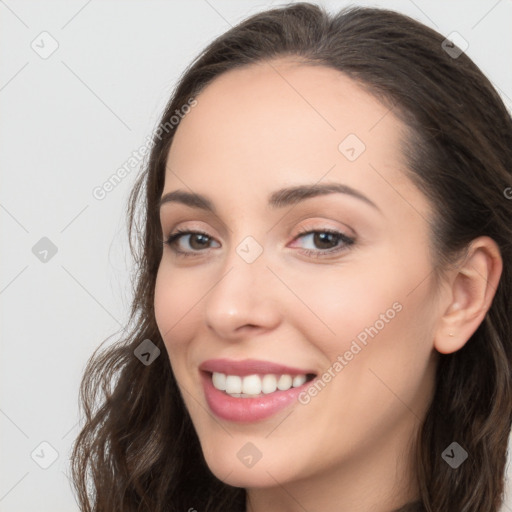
<point x="347" y="242"/>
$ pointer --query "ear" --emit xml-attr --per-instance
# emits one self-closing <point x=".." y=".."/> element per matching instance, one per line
<point x="469" y="295"/>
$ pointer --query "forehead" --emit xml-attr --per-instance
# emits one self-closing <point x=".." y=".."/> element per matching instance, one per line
<point x="287" y="110"/>
<point x="288" y="122"/>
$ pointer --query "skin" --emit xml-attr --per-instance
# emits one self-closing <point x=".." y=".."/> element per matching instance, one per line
<point x="256" y="130"/>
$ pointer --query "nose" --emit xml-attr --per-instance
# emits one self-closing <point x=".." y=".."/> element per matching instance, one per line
<point x="243" y="299"/>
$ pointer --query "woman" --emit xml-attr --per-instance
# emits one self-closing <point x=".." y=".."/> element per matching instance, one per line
<point x="321" y="317"/>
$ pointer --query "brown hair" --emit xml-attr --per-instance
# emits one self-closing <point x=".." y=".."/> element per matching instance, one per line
<point x="138" y="450"/>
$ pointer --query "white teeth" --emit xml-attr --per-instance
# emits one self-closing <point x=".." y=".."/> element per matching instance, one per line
<point x="298" y="380"/>
<point x="255" y="385"/>
<point x="233" y="384"/>
<point x="219" y="381"/>
<point x="268" y="384"/>
<point x="251" y="385"/>
<point x="284" y="383"/>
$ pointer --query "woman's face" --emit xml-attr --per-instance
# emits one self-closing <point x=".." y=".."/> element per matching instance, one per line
<point x="255" y="296"/>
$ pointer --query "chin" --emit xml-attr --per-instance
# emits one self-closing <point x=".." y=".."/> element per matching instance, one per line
<point x="234" y="467"/>
<point x="246" y="477"/>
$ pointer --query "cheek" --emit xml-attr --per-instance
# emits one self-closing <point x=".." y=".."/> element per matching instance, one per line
<point x="177" y="304"/>
<point x="378" y="317"/>
<point x="384" y="335"/>
<point x="378" y="375"/>
<point x="341" y="302"/>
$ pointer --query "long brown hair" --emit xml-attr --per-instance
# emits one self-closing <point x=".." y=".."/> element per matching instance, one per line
<point x="138" y="450"/>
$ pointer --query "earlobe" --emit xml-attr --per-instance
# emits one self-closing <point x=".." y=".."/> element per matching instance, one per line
<point x="472" y="288"/>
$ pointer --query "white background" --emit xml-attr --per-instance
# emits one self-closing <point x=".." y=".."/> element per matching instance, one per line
<point x="67" y="124"/>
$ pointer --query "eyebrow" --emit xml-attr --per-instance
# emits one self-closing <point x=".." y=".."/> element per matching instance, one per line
<point x="278" y="199"/>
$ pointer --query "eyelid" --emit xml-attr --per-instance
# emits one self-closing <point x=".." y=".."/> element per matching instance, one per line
<point x="201" y="222"/>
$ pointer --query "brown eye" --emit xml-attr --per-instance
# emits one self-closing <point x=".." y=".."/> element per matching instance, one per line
<point x="197" y="242"/>
<point x="324" y="242"/>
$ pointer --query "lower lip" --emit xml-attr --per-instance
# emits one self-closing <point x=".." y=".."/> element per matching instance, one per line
<point x="246" y="410"/>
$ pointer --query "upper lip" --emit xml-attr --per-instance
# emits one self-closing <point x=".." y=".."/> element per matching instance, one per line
<point x="250" y="367"/>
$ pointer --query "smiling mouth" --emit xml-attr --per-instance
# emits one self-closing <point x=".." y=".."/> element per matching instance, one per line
<point x="257" y="385"/>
